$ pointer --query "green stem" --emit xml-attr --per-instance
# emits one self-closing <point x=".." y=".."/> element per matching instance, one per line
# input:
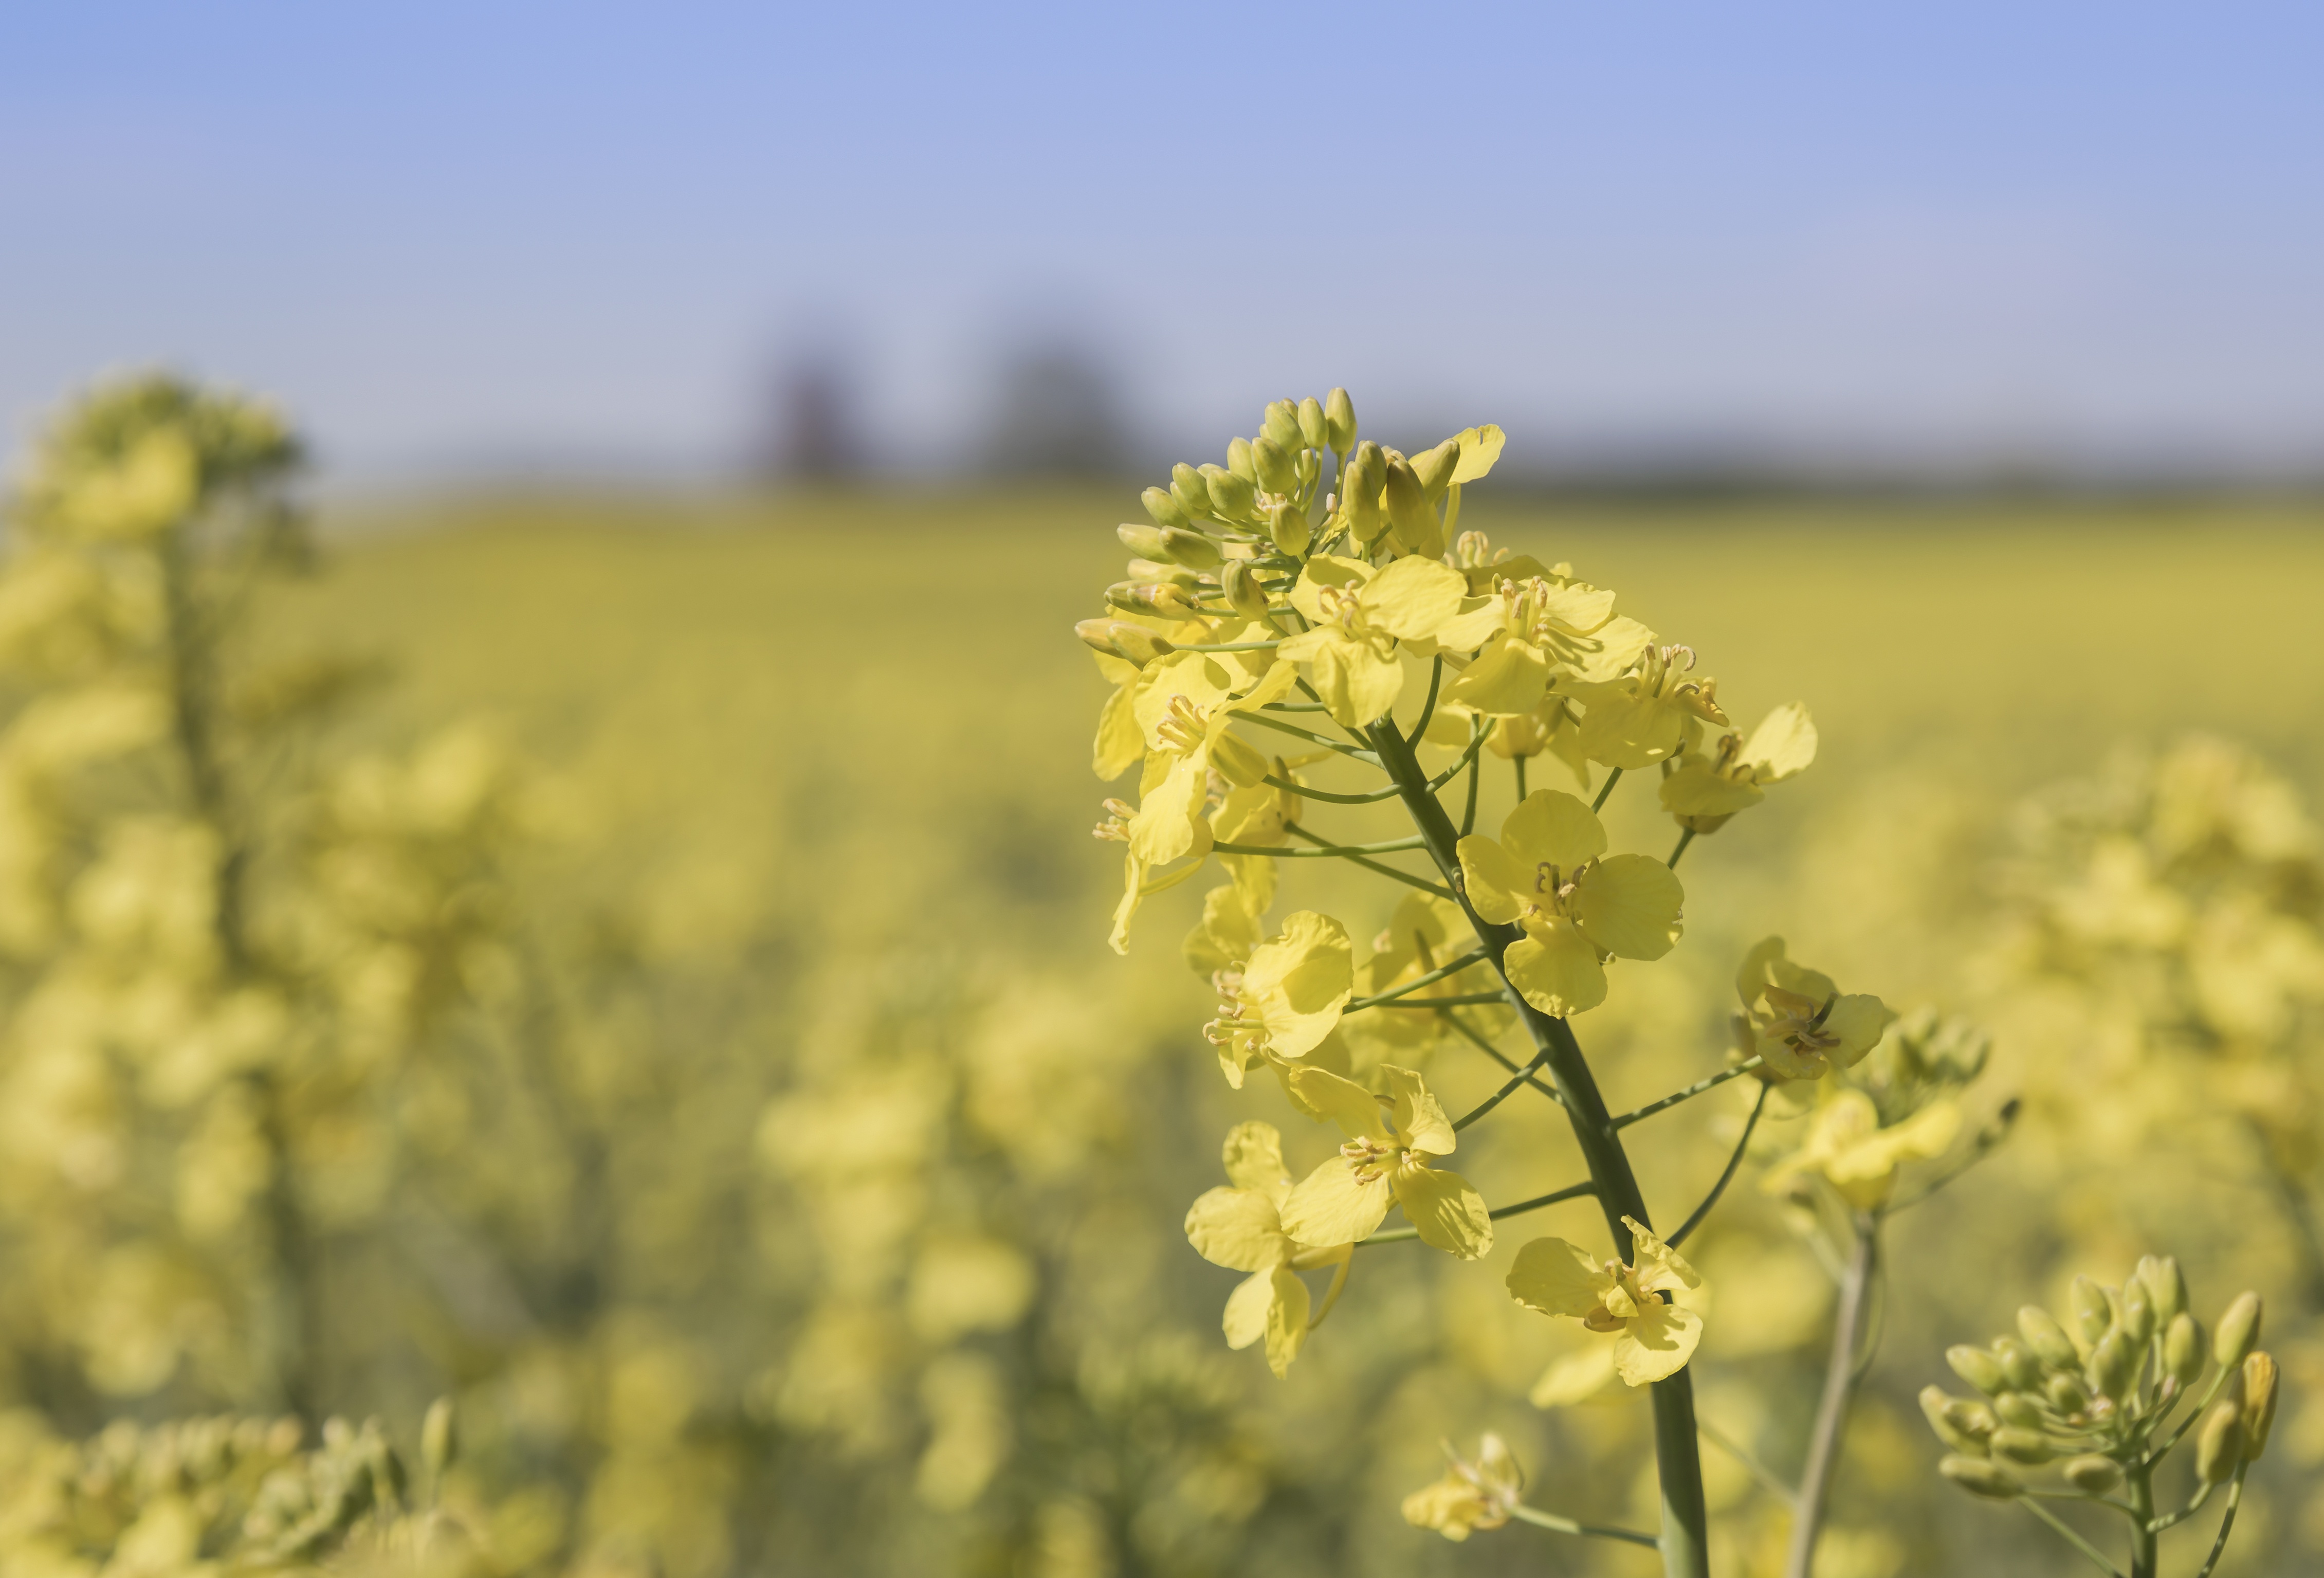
<point x="1277" y="851"/>
<point x="1493" y="1052"/>
<point x="1541" y="1519"/>
<point x="1839" y="1389"/>
<point x="2226" y="1525"/>
<point x="1612" y="778"/>
<point x="1354" y="753"/>
<point x="1750" y="1460"/>
<point x="1389" y="871"/>
<point x="1497" y="1098"/>
<point x="2077" y="1541"/>
<point x="1520" y="762"/>
<point x="1711" y="1083"/>
<point x="1476" y="772"/>
<point x="1428" y="707"/>
<point x="1685" y="1537"/>
<point x="1570" y="1192"/>
<point x="1685" y="837"/>
<point x="2138" y="1489"/>
<point x="1475" y="956"/>
<point x="1727" y="1177"/>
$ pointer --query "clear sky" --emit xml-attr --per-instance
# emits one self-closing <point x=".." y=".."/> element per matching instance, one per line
<point x="453" y="233"/>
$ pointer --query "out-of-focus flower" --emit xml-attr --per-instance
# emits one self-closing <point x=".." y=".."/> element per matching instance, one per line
<point x="1848" y="1145"/>
<point x="1703" y="789"/>
<point x="1796" y="1020"/>
<point x="1483" y="1494"/>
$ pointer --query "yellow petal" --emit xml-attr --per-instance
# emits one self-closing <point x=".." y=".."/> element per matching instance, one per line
<point x="1696" y="790"/>
<point x="1248" y="1308"/>
<point x="1558" y="1278"/>
<point x="1751" y="977"/>
<point x="1478" y="618"/>
<point x="1497" y="886"/>
<point x="1552" y="825"/>
<point x="1253" y="1157"/>
<point x="1414" y="597"/>
<point x="1323" y="570"/>
<point x="1656" y="1267"/>
<point x="1508" y="679"/>
<point x="1196" y="676"/>
<point x="1554" y="968"/>
<point x="1607" y="652"/>
<point x="1444" y="1210"/>
<point x="1479" y="447"/>
<point x="1628" y="905"/>
<point x="1416" y="1117"/>
<point x="1120" y="741"/>
<point x="1859" y="1019"/>
<point x="1226" y="936"/>
<point x="1329" y="1207"/>
<point x="1237" y="1229"/>
<point x="1167" y="823"/>
<point x="1286" y="1320"/>
<point x="1300" y="981"/>
<point x="1784" y="742"/>
<point x="1354" y="1109"/>
<point x="1657" y="1345"/>
<point x="1330" y="1055"/>
<point x="1575" y="1378"/>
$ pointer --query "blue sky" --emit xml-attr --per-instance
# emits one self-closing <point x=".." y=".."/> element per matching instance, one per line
<point x="452" y="234"/>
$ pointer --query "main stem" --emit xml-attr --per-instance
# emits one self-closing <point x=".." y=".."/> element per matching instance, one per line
<point x="1686" y="1535"/>
<point x="1838" y="1388"/>
<point x="2138" y="1489"/>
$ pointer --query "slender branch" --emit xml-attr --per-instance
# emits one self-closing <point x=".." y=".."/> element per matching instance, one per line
<point x="1688" y="1094"/>
<point x="1293" y="706"/>
<point x="1407" y="877"/>
<point x="1475" y="956"/>
<point x="1370" y="797"/>
<point x="1831" y="1413"/>
<point x="2226" y="1524"/>
<point x="1355" y="753"/>
<point x="1277" y="851"/>
<point x="1224" y="646"/>
<point x="2156" y="1525"/>
<point x="1743" y="1454"/>
<point x="1476" y="772"/>
<point x="1497" y="1097"/>
<point x="2077" y="1541"/>
<point x="1541" y="1519"/>
<point x="1464" y="999"/>
<point x="1494" y="1053"/>
<point x="1612" y="778"/>
<point x="1519" y="762"/>
<point x="1685" y="837"/>
<point x="1570" y="1192"/>
<point x="1734" y="1161"/>
<point x="1476" y="743"/>
<point x="1427" y="708"/>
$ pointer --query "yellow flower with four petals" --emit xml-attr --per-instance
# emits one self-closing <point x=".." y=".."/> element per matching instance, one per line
<point x="1653" y="1338"/>
<point x="1392" y="1138"/>
<point x="1483" y="1494"/>
<point x="1798" y="1021"/>
<point x="1240" y="1228"/>
<point x="1358" y="614"/>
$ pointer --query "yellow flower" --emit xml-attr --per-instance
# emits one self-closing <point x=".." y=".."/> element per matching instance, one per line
<point x="1580" y="907"/>
<point x="1392" y="1140"/>
<point x="1641" y="718"/>
<point x="1652" y="1337"/>
<point x="1240" y="1228"/>
<point x="1423" y="932"/>
<point x="1703" y="791"/>
<point x="1358" y="615"/>
<point x="1484" y="1494"/>
<point x="1798" y="1020"/>
<point x="1285" y="998"/>
<point x="1531" y="633"/>
<point x="1847" y="1145"/>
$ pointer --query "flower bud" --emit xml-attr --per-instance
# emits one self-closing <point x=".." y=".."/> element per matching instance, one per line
<point x="1151" y="597"/>
<point x="1286" y="523"/>
<point x="1233" y="495"/>
<point x="1980" y="1369"/>
<point x="2138" y="1312"/>
<point x="2220" y="1446"/>
<point x="1361" y="482"/>
<point x="1238" y="460"/>
<point x="1241" y="584"/>
<point x="1410" y="515"/>
<point x="1315" y="430"/>
<point x="2047" y="1338"/>
<point x="2018" y="1366"/>
<point x="1277" y="473"/>
<point x="2066" y="1394"/>
<point x="2019" y="1446"/>
<point x="1340" y="423"/>
<point x="1141" y="645"/>
<point x="2017" y="1409"/>
<point x="1186" y="487"/>
<point x="1980" y="1477"/>
<point x="2093" y="1311"/>
<point x="1281" y="424"/>
<point x="1434" y="467"/>
<point x="1165" y="510"/>
<point x="2166" y="1289"/>
<point x="1238" y="760"/>
<point x="2238" y="1330"/>
<point x="2092" y="1474"/>
<point x="2115" y="1364"/>
<point x="2260" y="1381"/>
<point x="439" y="1437"/>
<point x="1098" y="634"/>
<point x="1191" y="548"/>
<point x="1145" y="541"/>
<point x="2183" y="1348"/>
<point x="1960" y="1425"/>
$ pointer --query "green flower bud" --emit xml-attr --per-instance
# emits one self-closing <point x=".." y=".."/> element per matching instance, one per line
<point x="1162" y="571"/>
<point x="2115" y="1364"/>
<point x="2166" y="1289"/>
<point x="1238" y="460"/>
<point x="2238" y="1330"/>
<point x="2020" y="1445"/>
<point x="1980" y="1369"/>
<point x="1145" y="541"/>
<point x="1187" y="487"/>
<point x="1340" y="423"/>
<point x="1410" y="515"/>
<point x="1980" y="1477"/>
<point x="1277" y="472"/>
<point x="2047" y="1338"/>
<point x="1361" y="482"/>
<point x="1165" y="510"/>
<point x="2093" y="1311"/>
<point x="1233" y="494"/>
<point x="2017" y="1409"/>
<point x="2018" y="1365"/>
<point x="1141" y="645"/>
<point x="439" y="1437"/>
<point x="2066" y="1394"/>
<point x="1314" y="428"/>
<point x="1287" y="525"/>
<point x="2091" y="1474"/>
<point x="1434" y="467"/>
<point x="2138" y="1312"/>
<point x="1960" y="1425"/>
<point x="2260" y="1382"/>
<point x="1098" y="634"/>
<point x="1241" y="584"/>
<point x="2220" y="1446"/>
<point x="1281" y="424"/>
<point x="1191" y="548"/>
<point x="1151" y="597"/>
<point x="2183" y="1348"/>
